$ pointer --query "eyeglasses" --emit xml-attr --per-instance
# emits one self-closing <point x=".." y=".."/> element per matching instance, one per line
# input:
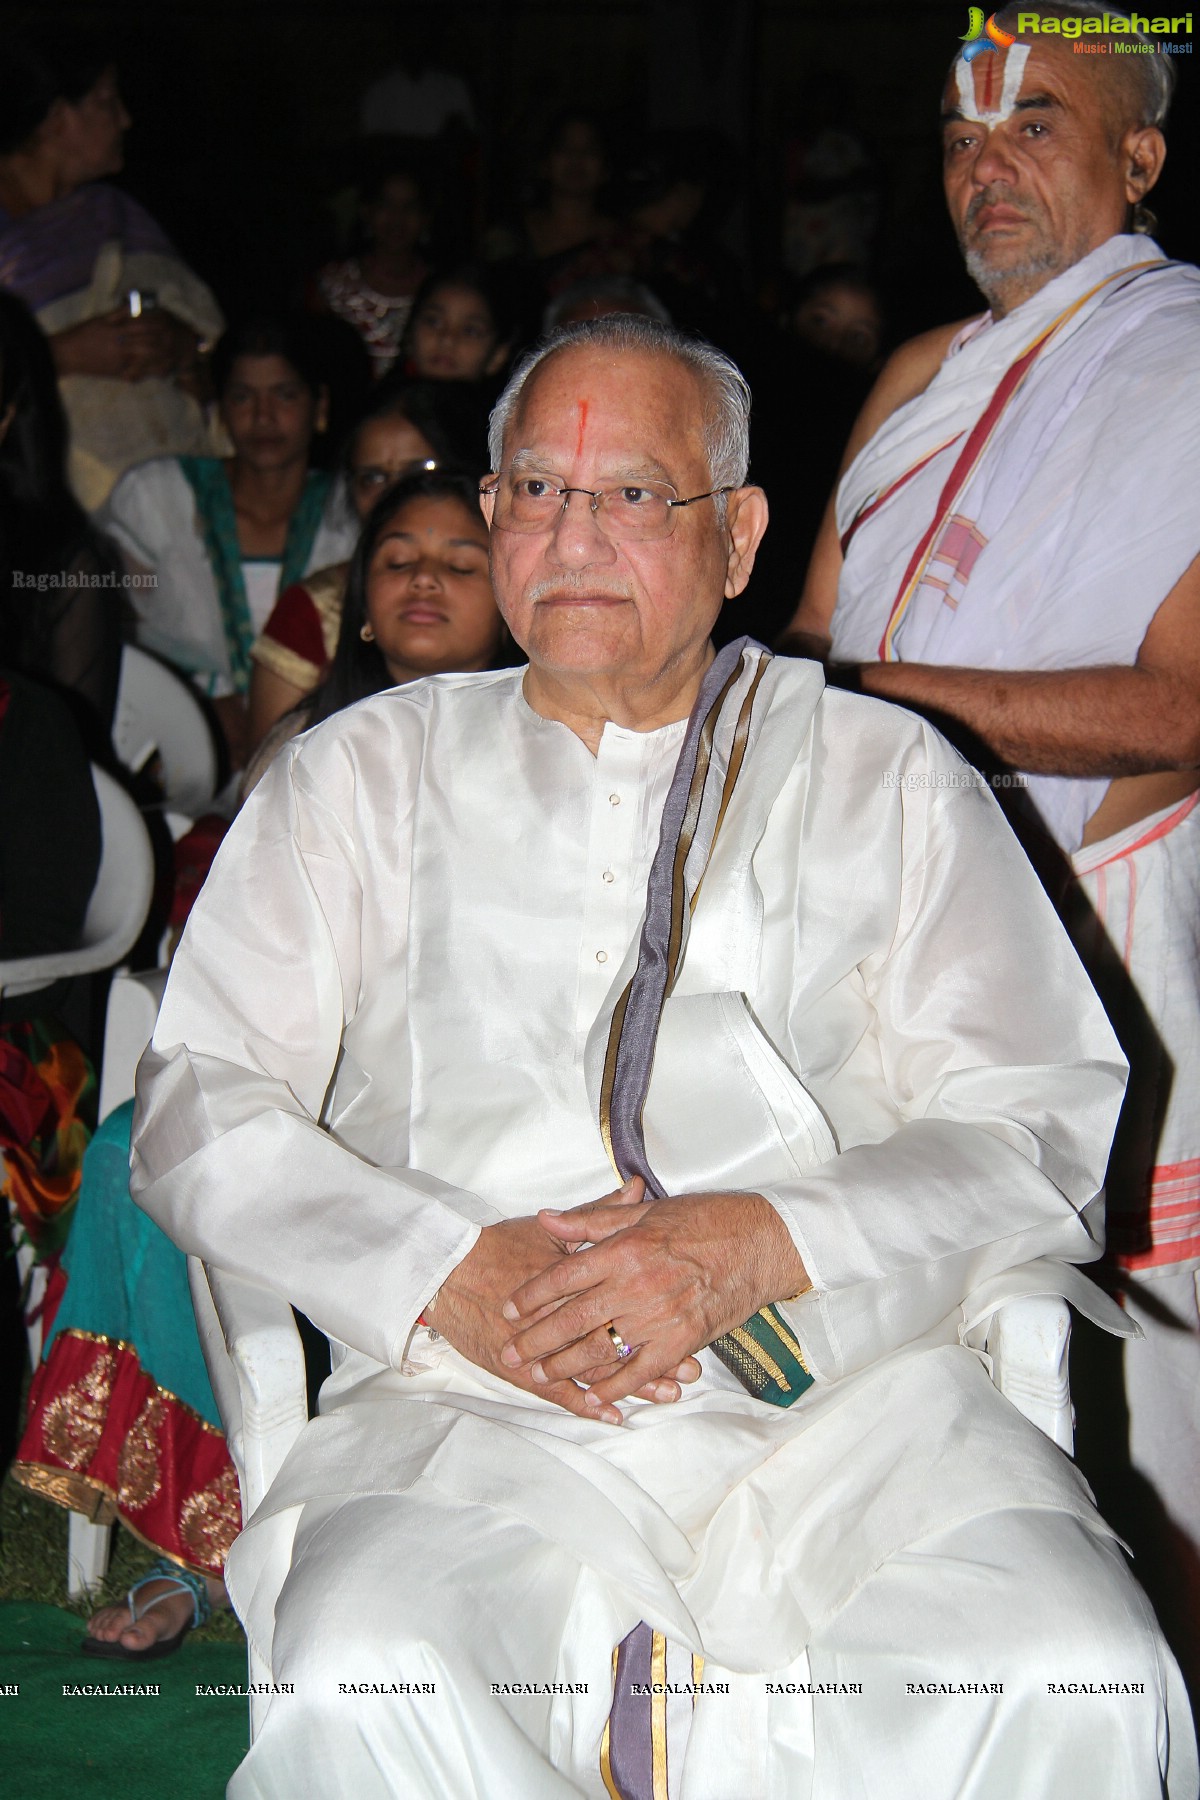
<point x="633" y="511"/>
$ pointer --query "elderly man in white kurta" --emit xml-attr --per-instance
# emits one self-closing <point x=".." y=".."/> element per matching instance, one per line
<point x="771" y="955"/>
<point x="1015" y="546"/>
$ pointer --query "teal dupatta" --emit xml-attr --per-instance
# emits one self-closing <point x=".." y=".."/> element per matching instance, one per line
<point x="218" y="522"/>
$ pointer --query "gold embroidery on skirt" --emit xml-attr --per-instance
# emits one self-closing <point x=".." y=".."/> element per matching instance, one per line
<point x="75" y="1420"/>
<point x="210" y="1520"/>
<point x="75" y="1492"/>
<point x="138" y="1474"/>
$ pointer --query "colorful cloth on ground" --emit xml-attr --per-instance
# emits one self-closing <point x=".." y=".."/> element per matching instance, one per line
<point x="154" y="515"/>
<point x="47" y="1114"/>
<point x="122" y="1420"/>
<point x="298" y="640"/>
<point x="1054" y="547"/>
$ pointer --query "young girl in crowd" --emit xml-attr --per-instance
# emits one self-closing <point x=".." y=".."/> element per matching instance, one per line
<point x="461" y="327"/>
<point x="418" y="601"/>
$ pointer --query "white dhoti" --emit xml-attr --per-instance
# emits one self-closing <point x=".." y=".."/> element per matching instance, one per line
<point x="1136" y="923"/>
<point x="933" y="1681"/>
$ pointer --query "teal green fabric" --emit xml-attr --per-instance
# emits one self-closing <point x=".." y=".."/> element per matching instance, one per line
<point x="218" y="521"/>
<point x="93" y="1746"/>
<point x="126" y="1279"/>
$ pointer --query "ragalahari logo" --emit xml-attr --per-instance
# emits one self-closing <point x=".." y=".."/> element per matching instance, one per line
<point x="983" y="34"/>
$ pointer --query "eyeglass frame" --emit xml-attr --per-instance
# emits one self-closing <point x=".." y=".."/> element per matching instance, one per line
<point x="596" y="495"/>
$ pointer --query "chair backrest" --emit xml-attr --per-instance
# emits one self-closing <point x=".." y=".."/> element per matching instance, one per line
<point x="158" y="712"/>
<point x="119" y="904"/>
<point x="133" y="1003"/>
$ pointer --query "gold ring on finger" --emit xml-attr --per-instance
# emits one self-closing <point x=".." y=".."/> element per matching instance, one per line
<point x="622" y="1349"/>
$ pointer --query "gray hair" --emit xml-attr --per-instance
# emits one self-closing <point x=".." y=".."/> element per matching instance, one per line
<point x="727" y="414"/>
<point x="1151" y="77"/>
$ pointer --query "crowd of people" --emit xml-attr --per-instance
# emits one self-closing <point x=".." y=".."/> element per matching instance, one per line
<point x="528" y="475"/>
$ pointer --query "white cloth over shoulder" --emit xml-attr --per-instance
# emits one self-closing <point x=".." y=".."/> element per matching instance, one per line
<point x="374" y="1042"/>
<point x="1080" y="517"/>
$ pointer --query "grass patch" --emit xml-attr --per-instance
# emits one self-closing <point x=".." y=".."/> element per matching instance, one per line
<point x="33" y="1561"/>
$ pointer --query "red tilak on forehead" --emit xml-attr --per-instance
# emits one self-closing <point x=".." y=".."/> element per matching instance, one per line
<point x="989" y="80"/>
<point x="583" y="413"/>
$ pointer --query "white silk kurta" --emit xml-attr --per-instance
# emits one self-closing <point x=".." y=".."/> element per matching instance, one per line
<point x="375" y="1040"/>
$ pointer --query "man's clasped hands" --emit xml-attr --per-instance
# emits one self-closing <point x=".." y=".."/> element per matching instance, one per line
<point x="534" y="1298"/>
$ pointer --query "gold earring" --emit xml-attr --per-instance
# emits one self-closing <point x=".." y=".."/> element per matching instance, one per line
<point x="367" y="632"/>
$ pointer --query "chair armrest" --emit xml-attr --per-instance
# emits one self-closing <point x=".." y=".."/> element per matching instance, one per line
<point x="1028" y="1343"/>
<point x="256" y="1364"/>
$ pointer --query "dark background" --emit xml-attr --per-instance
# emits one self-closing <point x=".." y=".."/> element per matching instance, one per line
<point x="245" y="116"/>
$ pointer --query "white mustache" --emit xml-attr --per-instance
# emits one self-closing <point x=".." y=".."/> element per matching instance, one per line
<point x="989" y="197"/>
<point x="559" y="587"/>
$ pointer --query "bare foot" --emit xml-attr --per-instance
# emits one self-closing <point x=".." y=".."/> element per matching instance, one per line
<point x="112" y="1624"/>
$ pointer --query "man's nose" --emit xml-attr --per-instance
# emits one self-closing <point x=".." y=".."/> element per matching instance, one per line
<point x="578" y="541"/>
<point x="994" y="162"/>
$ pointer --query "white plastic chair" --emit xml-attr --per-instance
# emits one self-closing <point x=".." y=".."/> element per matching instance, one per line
<point x="116" y="913"/>
<point x="117" y="909"/>
<point x="158" y="713"/>
<point x="256" y="1363"/>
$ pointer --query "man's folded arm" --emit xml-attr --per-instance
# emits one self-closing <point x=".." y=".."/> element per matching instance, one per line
<point x="229" y="1155"/>
<point x="1007" y="1081"/>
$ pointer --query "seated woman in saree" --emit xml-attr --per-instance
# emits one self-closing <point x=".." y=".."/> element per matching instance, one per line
<point x="222" y="537"/>
<point x="127" y="319"/>
<point x="405" y="426"/>
<point x="122" y="1422"/>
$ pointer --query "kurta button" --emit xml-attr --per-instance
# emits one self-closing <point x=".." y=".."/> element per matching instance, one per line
<point x="614" y="799"/>
<point x="608" y="875"/>
<point x="602" y="956"/>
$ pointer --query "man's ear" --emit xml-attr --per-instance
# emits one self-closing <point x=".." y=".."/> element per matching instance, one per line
<point x="487" y="498"/>
<point x="1143" y="152"/>
<point x="745" y="521"/>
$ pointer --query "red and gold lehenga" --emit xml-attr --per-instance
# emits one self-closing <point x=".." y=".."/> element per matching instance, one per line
<point x="122" y="1422"/>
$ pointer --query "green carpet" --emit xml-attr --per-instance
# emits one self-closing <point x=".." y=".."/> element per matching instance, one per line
<point x="131" y="1747"/>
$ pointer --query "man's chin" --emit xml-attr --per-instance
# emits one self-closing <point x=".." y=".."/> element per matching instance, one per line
<point x="1008" y="269"/>
<point x="581" y="639"/>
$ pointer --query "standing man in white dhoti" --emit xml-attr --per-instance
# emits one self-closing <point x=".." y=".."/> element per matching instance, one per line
<point x="1013" y="547"/>
<point x="559" y="1528"/>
